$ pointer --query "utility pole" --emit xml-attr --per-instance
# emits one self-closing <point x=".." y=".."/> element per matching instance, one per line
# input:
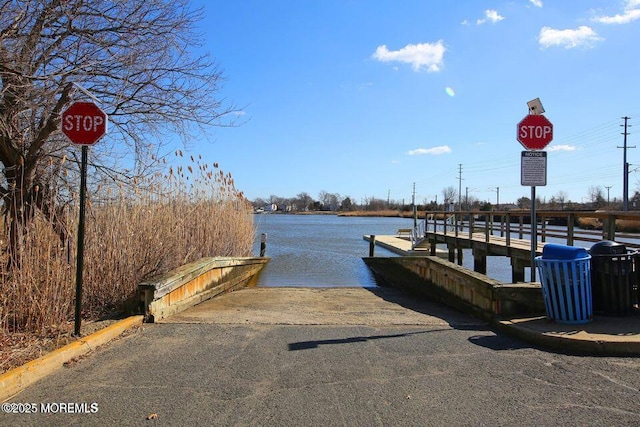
<point x="413" y="204"/>
<point x="460" y="186"/>
<point x="625" y="168"/>
<point x="466" y="197"/>
<point x="608" y="187"/>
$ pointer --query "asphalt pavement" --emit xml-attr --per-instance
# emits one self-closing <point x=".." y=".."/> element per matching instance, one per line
<point x="320" y="357"/>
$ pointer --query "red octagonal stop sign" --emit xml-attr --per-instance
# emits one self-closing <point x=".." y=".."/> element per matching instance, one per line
<point x="84" y="123"/>
<point x="535" y="132"/>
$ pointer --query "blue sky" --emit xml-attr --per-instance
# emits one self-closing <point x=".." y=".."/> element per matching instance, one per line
<point x="366" y="98"/>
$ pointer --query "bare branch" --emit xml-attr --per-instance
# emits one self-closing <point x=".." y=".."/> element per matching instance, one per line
<point x="137" y="57"/>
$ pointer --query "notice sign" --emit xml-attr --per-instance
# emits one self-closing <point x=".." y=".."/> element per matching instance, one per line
<point x="534" y="168"/>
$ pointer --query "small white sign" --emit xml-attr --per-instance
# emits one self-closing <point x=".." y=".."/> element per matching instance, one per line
<point x="534" y="168"/>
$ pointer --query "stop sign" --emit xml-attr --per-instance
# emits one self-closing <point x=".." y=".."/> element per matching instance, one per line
<point x="84" y="123"/>
<point x="535" y="132"/>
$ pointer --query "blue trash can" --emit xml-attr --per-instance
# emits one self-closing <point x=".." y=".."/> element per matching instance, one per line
<point x="565" y="275"/>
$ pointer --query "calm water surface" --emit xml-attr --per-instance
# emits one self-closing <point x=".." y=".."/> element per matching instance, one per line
<point x="320" y="250"/>
<point x="327" y="250"/>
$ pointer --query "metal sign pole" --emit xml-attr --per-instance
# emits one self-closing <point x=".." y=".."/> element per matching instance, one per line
<point x="534" y="233"/>
<point x="80" y="252"/>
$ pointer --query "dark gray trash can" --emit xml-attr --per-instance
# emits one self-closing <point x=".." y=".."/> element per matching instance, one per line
<point x="565" y="275"/>
<point x="613" y="278"/>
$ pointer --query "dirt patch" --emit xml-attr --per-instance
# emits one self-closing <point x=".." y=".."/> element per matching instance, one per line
<point x="16" y="349"/>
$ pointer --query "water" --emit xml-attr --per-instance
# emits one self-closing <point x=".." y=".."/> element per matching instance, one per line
<point x="321" y="250"/>
<point x="327" y="250"/>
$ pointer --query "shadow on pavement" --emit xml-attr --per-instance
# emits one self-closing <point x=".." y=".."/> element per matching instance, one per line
<point x="307" y="345"/>
<point x="422" y="305"/>
<point x="498" y="342"/>
<point x="455" y="319"/>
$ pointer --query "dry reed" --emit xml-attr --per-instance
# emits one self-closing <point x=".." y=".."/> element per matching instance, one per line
<point x="132" y="232"/>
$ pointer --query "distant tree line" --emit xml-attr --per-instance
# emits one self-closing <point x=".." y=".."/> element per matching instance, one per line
<point x="596" y="199"/>
<point x="325" y="201"/>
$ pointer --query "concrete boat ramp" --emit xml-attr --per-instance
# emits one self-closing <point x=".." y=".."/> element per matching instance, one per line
<point x="321" y="306"/>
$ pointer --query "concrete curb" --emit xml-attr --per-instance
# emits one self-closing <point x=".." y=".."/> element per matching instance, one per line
<point x="579" y="342"/>
<point x="17" y="379"/>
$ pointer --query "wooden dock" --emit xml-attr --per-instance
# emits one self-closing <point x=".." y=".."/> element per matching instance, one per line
<point x="483" y="245"/>
<point x="493" y="234"/>
<point x="400" y="245"/>
<point x="519" y="250"/>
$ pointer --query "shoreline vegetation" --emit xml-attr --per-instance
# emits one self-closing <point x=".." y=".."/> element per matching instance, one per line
<point x="132" y="232"/>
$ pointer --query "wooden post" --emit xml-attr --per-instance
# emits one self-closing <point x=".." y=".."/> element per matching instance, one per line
<point x="517" y="270"/>
<point x="486" y="230"/>
<point x="452" y="252"/>
<point x="372" y="245"/>
<point x="611" y="228"/>
<point x="570" y="222"/>
<point x="520" y="230"/>
<point x="492" y="223"/>
<point x="263" y="244"/>
<point x="456" y="219"/>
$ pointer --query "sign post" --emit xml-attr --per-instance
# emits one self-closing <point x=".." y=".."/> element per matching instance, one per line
<point x="84" y="123"/>
<point x="535" y="132"/>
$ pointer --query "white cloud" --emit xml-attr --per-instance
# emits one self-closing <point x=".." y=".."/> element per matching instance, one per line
<point x="435" y="151"/>
<point x="536" y="3"/>
<point x="583" y="36"/>
<point x="631" y="13"/>
<point x="422" y="55"/>
<point x="562" y="148"/>
<point x="490" y="15"/>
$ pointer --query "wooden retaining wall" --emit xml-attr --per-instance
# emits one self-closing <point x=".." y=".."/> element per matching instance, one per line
<point x="456" y="286"/>
<point x="193" y="283"/>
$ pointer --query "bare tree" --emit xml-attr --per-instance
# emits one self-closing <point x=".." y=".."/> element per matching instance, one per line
<point x="304" y="201"/>
<point x="133" y="56"/>
<point x="559" y="200"/>
<point x="596" y="196"/>
<point x="330" y="201"/>
<point x="449" y="195"/>
<point x="524" y="202"/>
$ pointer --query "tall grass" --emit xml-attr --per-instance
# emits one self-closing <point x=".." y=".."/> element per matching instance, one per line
<point x="132" y="232"/>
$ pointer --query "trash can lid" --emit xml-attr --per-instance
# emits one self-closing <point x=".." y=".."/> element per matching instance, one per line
<point x="556" y="251"/>
<point x="608" y="247"/>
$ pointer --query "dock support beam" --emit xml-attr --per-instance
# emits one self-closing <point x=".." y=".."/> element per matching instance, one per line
<point x="480" y="261"/>
<point x="517" y="270"/>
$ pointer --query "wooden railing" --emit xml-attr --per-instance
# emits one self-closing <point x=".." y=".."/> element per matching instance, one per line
<point x="510" y="224"/>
